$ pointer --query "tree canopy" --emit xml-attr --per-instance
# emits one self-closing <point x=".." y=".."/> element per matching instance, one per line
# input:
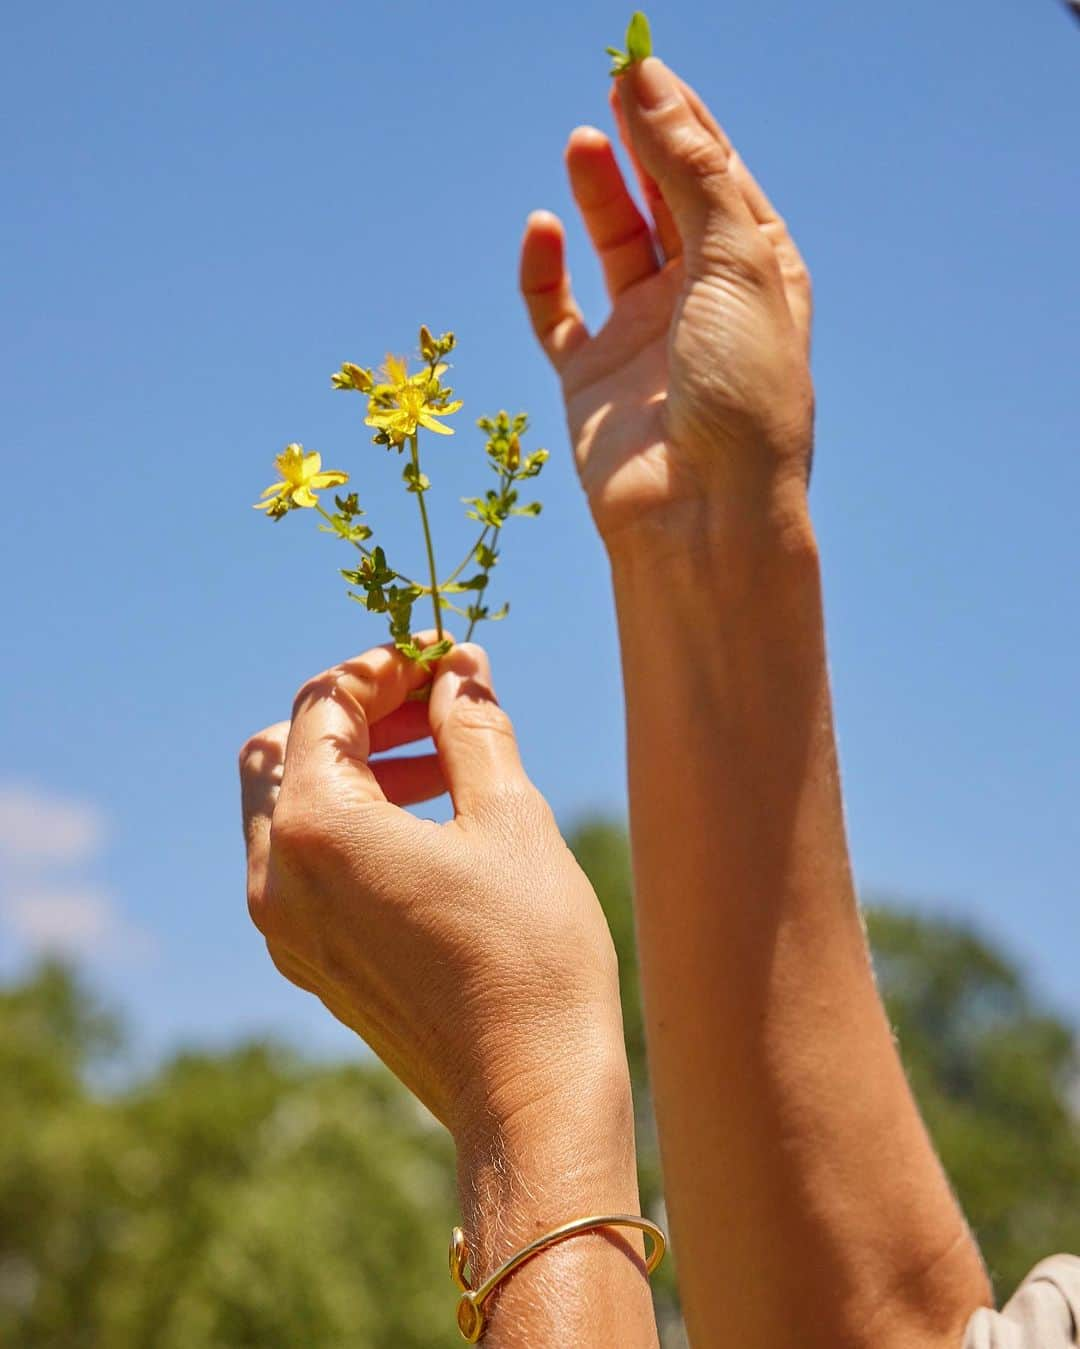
<point x="248" y="1197"/>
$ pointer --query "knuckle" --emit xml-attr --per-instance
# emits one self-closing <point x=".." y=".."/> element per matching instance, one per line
<point x="318" y="686"/>
<point x="746" y="256"/>
<point x="247" y="749"/>
<point x="702" y="153"/>
<point x="252" y="751"/>
<point x="754" y="255"/>
<point x="482" y="714"/>
<point x="798" y="274"/>
<point x="266" y="748"/>
<point x="257" y="906"/>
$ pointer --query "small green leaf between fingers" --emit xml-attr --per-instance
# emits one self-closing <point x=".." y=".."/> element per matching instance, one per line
<point x="638" y="45"/>
<point x="638" y="38"/>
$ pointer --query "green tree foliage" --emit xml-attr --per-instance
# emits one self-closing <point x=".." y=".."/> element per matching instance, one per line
<point x="251" y="1198"/>
<point x="243" y="1198"/>
<point x="996" y="1076"/>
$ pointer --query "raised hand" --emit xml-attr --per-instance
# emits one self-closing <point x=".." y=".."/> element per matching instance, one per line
<point x="693" y="404"/>
<point x="473" y="956"/>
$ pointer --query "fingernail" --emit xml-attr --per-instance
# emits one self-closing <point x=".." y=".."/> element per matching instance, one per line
<point x="653" y="85"/>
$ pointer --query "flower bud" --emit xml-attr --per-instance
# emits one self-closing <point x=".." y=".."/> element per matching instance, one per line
<point x="429" y="348"/>
<point x="352" y="377"/>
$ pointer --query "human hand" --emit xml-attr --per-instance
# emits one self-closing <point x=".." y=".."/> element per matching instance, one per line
<point x="692" y="407"/>
<point x="472" y="956"/>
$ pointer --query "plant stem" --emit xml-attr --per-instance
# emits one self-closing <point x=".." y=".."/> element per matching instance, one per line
<point x="436" y="603"/>
<point x="366" y="551"/>
<point x="505" y="480"/>
<point x="468" y="558"/>
<point x="487" y="572"/>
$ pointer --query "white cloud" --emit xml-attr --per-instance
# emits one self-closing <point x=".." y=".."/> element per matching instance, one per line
<point x="75" y="920"/>
<point x="49" y="901"/>
<point x="39" y="830"/>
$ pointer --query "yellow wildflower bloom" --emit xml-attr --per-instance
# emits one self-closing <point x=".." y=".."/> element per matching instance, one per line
<point x="403" y="402"/>
<point x="302" y="476"/>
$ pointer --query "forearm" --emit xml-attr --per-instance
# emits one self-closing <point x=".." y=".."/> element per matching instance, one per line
<point x="805" y="1198"/>
<point x="555" y="1162"/>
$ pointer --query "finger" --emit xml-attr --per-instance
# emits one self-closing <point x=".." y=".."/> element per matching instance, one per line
<point x="403" y="726"/>
<point x="545" y="285"/>
<point x="691" y="167"/>
<point x="473" y="735"/>
<point x="408" y="781"/>
<point x="792" y="267"/>
<point x="262" y="761"/>
<point x="667" y="232"/>
<point x="620" y="233"/>
<point x="330" y="736"/>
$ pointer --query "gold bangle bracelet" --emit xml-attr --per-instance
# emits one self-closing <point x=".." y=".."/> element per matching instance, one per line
<point x="470" y="1312"/>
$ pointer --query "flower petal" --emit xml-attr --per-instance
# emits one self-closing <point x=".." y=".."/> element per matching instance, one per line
<point x="426" y="419"/>
<point x="331" y="478"/>
<point x="312" y="464"/>
<point x="397" y="369"/>
<point x="422" y="376"/>
<point x="304" y="496"/>
<point x="290" y="464"/>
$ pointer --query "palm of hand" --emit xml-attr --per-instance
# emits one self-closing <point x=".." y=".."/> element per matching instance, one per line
<point x="698" y="382"/>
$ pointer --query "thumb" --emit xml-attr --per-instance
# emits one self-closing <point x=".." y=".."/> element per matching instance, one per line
<point x="689" y="162"/>
<point x="473" y="735"/>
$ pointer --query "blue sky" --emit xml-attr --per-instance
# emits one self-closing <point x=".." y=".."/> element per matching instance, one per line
<point x="209" y="206"/>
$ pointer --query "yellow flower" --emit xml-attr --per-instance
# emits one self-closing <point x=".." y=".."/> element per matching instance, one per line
<point x="301" y="476"/>
<point x="352" y="376"/>
<point x="403" y="402"/>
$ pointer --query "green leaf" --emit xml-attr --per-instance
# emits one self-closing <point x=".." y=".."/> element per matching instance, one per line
<point x="374" y="601"/>
<point x="638" y="45"/>
<point x="477" y="582"/>
<point x="499" y="613"/>
<point x="638" y="38"/>
<point x="350" y="533"/>
<point x="417" y="481"/>
<point x="430" y="654"/>
<point x="489" y="509"/>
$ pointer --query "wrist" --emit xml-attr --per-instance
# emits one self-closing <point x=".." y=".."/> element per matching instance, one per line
<point x="741" y="530"/>
<point x="564" y="1156"/>
<point x="718" y="557"/>
<point x="567" y="1152"/>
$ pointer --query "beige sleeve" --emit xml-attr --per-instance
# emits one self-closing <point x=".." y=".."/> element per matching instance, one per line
<point x="1044" y="1312"/>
